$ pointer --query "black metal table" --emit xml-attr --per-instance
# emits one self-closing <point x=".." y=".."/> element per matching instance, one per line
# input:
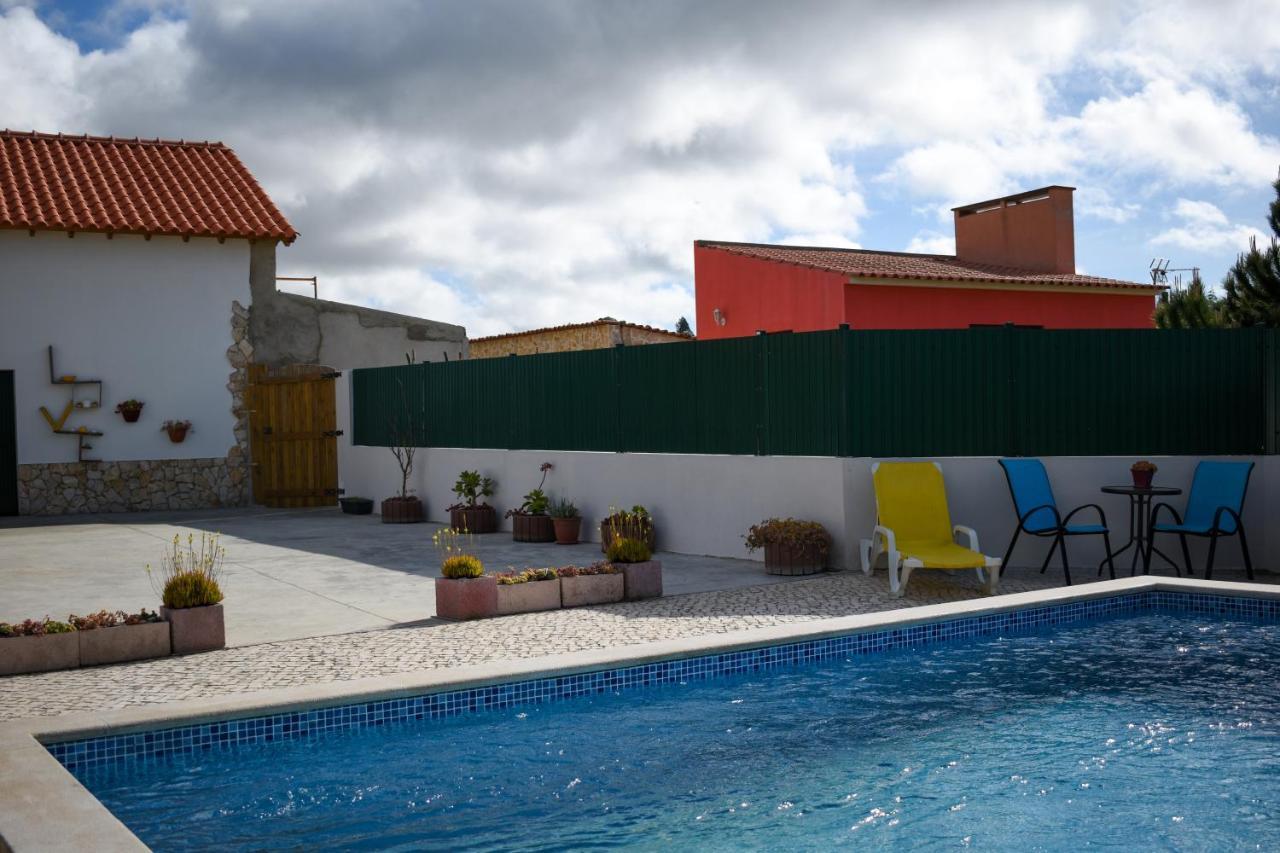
<point x="1139" y="521"/>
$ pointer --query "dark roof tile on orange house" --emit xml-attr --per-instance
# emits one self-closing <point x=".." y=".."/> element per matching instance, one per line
<point x="52" y="182"/>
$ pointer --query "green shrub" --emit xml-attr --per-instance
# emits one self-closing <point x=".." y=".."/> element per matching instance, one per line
<point x="462" y="566"/>
<point x="628" y="551"/>
<point x="189" y="575"/>
<point x="563" y="509"/>
<point x="808" y="536"/>
<point x="190" y="588"/>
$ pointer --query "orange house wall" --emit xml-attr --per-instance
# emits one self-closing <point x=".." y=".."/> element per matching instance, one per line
<point x="873" y="306"/>
<point x="757" y="294"/>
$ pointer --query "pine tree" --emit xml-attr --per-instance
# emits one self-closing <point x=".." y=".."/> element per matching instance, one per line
<point x="1190" y="307"/>
<point x="1253" y="284"/>
<point x="682" y="327"/>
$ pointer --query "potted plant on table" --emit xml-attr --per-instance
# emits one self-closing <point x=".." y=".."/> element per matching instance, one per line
<point x="634" y="523"/>
<point x="463" y="591"/>
<point x="530" y="523"/>
<point x="566" y="521"/>
<point x="130" y="410"/>
<point x="599" y="583"/>
<point x="1142" y="472"/>
<point x="115" y="637"/>
<point x="641" y="574"/>
<point x="38" y="645"/>
<point x="188" y="583"/>
<point x="528" y="591"/>
<point x="791" y="546"/>
<point x="471" y="513"/>
<point x="177" y="430"/>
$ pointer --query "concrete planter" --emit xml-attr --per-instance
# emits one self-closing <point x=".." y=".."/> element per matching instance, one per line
<point x="528" y="597"/>
<point x="467" y="598"/>
<point x="642" y="580"/>
<point x="474" y="519"/>
<point x="39" y="654"/>
<point x="591" y="589"/>
<point x="532" y="528"/>
<point x="124" y="642"/>
<point x="195" y="629"/>
<point x="782" y="559"/>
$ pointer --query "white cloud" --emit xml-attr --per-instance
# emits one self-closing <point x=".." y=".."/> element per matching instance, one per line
<point x="1205" y="228"/>
<point x="932" y="243"/>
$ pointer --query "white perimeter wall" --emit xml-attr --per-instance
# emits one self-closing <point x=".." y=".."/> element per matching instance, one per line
<point x="149" y="318"/>
<point x="704" y="504"/>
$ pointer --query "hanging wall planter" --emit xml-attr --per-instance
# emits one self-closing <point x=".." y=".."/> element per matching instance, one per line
<point x="177" y="430"/>
<point x="130" y="410"/>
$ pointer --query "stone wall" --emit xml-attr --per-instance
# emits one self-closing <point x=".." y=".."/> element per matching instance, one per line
<point x="64" y="488"/>
<point x="603" y="333"/>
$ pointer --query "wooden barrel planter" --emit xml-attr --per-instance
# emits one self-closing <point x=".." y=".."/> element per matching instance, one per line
<point x="474" y="519"/>
<point x="532" y="528"/>
<point x="402" y="510"/>
<point x="785" y="560"/>
<point x="626" y="530"/>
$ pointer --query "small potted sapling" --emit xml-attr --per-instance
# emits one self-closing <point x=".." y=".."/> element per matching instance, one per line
<point x="38" y="645"/>
<point x="566" y="521"/>
<point x="188" y="583"/>
<point x="642" y="575"/>
<point x="471" y="513"/>
<point x="404" y="507"/>
<point x="115" y="637"/>
<point x="463" y="591"/>
<point x="528" y="591"/>
<point x="791" y="546"/>
<point x="530" y="523"/>
<point x="599" y="583"/>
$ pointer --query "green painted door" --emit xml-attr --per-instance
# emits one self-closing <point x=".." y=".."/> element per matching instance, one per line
<point x="8" y="447"/>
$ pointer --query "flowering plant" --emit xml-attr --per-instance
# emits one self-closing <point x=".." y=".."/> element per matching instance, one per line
<point x="536" y="501"/>
<point x="129" y="406"/>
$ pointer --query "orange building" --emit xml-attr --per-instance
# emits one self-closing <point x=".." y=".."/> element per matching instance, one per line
<point x="1014" y="263"/>
<point x="598" y="334"/>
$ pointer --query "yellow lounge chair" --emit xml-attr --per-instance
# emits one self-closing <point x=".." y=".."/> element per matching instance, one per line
<point x="913" y="527"/>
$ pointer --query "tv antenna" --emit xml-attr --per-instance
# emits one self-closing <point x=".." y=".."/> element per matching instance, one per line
<point x="1160" y="270"/>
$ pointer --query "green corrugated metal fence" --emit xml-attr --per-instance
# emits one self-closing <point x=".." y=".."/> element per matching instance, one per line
<point x="971" y="392"/>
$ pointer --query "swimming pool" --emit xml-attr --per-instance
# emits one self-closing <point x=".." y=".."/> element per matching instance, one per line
<point x="1144" y="719"/>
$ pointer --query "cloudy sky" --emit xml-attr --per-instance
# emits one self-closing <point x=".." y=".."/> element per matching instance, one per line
<point x="511" y="164"/>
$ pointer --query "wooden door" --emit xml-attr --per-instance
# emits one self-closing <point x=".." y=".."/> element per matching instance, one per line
<point x="293" y="434"/>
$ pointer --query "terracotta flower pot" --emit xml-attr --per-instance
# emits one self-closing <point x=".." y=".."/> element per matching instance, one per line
<point x="467" y="598"/>
<point x="124" y="642"/>
<point x="39" y="654"/>
<point x="528" y="597"/>
<point x="131" y="415"/>
<point x="532" y="528"/>
<point x="402" y="510"/>
<point x="195" y="629"/>
<point x="474" y="519"/>
<point x="1142" y="479"/>
<point x="567" y="530"/>
<point x="642" y="580"/>
<point x="591" y="589"/>
<point x="783" y="559"/>
<point x="177" y="434"/>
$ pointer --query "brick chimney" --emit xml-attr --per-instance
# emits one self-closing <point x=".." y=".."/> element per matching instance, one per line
<point x="1033" y="230"/>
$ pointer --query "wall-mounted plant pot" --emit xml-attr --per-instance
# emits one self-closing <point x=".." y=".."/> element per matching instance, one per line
<point x="642" y="580"/>
<point x="532" y="528"/>
<point x="781" y="559"/>
<point x="528" y="597"/>
<point x="606" y="535"/>
<point x="195" y="629"/>
<point x="356" y="506"/>
<point x="124" y="642"/>
<point x="402" y="510"/>
<point x="131" y="415"/>
<point x="39" y="654"/>
<point x="467" y="598"/>
<point x="591" y="589"/>
<point x="177" y="434"/>
<point x="567" y="530"/>
<point x="474" y="519"/>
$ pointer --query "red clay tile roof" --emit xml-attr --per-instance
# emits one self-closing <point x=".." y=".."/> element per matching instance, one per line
<point x="53" y="182"/>
<point x="603" y="321"/>
<point x="864" y="263"/>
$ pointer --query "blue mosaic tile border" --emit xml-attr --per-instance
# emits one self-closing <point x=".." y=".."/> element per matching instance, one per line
<point x="126" y="749"/>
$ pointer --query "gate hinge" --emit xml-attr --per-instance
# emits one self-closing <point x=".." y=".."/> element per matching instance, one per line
<point x="331" y="433"/>
<point x="329" y="492"/>
<point x="333" y="374"/>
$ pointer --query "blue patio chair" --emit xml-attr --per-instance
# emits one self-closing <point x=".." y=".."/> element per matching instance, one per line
<point x="1213" y="510"/>
<point x="1038" y="513"/>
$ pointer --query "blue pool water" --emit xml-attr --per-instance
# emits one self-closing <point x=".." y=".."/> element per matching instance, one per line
<point x="1153" y="731"/>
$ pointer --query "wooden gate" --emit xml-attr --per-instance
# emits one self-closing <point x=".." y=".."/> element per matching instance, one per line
<point x="293" y="434"/>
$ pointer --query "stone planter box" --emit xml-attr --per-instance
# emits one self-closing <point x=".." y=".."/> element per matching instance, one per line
<point x="567" y="529"/>
<point x="532" y="528"/>
<point x="606" y="535"/>
<point x="402" y="511"/>
<point x="591" y="589"/>
<point x="39" y="654"/>
<point x="642" y="580"/>
<point x="195" y="629"/>
<point x="124" y="642"/>
<point x="476" y="519"/>
<point x="467" y="598"/>
<point x="785" y="560"/>
<point x="528" y="597"/>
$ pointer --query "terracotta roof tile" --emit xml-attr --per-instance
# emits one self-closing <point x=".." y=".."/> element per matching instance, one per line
<point x="864" y="263"/>
<point x="51" y="182"/>
<point x="603" y="321"/>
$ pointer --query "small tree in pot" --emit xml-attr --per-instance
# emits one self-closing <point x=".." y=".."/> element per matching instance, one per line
<point x="530" y="523"/>
<point x="567" y="522"/>
<point x="471" y="513"/>
<point x="791" y="547"/>
<point x="405" y="507"/>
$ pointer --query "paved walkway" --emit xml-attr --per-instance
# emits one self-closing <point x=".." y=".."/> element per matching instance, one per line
<point x="386" y="652"/>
